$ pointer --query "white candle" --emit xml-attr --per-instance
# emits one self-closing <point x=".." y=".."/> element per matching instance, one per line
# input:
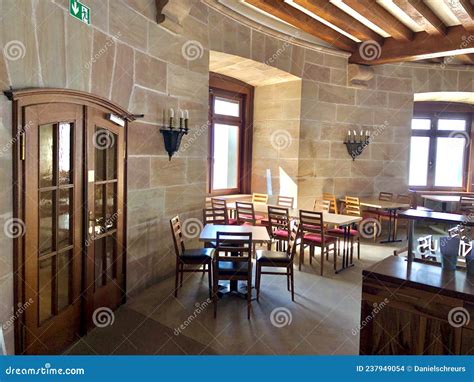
<point x="181" y="113"/>
<point x="171" y="113"/>
<point x="186" y="114"/>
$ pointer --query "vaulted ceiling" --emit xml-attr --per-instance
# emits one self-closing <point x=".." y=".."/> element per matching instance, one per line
<point x="383" y="31"/>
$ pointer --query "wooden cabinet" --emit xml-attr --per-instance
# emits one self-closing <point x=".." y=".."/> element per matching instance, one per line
<point x="417" y="309"/>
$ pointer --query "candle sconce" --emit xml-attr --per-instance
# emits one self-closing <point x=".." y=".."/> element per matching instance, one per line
<point x="172" y="136"/>
<point x="356" y="143"/>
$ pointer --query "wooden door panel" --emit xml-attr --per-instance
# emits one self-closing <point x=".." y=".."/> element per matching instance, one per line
<point x="53" y="196"/>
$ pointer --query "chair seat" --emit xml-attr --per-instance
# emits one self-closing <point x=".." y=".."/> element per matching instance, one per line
<point x="314" y="238"/>
<point x="264" y="256"/>
<point x="254" y="225"/>
<point x="340" y="231"/>
<point x="229" y="268"/>
<point x="280" y="233"/>
<point x="198" y="254"/>
<point x="257" y="217"/>
<point x="233" y="222"/>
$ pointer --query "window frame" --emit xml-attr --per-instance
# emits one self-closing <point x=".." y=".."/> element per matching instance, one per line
<point x="433" y="133"/>
<point x="221" y="86"/>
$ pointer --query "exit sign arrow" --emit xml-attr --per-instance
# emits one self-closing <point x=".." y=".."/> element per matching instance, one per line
<point x="80" y="11"/>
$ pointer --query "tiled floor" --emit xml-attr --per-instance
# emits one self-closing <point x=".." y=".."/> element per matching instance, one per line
<point x="322" y="320"/>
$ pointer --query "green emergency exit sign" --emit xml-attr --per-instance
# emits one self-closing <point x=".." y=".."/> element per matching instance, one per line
<point x="80" y="11"/>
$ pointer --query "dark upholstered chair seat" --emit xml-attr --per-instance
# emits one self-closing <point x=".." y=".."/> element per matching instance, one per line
<point x="314" y="238"/>
<point x="198" y="254"/>
<point x="228" y="268"/>
<point x="264" y="256"/>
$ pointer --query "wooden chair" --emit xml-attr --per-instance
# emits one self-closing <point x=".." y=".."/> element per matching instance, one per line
<point x="237" y="266"/>
<point x="322" y="205"/>
<point x="332" y="200"/>
<point x="351" y="207"/>
<point x="199" y="256"/>
<point x="285" y="201"/>
<point x="245" y="214"/>
<point x="278" y="259"/>
<point x="220" y="207"/>
<point x="259" y="198"/>
<point x="312" y="234"/>
<point x="280" y="226"/>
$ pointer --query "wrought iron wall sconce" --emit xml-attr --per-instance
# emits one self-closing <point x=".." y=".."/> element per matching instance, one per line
<point x="356" y="143"/>
<point x="172" y="136"/>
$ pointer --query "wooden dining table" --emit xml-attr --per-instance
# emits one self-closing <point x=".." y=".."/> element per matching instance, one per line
<point x="443" y="199"/>
<point x="392" y="207"/>
<point x="340" y="220"/>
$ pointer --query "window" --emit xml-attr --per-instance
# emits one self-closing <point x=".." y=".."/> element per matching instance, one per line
<point x="229" y="154"/>
<point x="439" y="151"/>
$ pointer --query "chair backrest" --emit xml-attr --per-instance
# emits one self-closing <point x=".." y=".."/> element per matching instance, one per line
<point x="333" y="202"/>
<point x="220" y="208"/>
<point x="285" y="201"/>
<point x="293" y="237"/>
<point x="352" y="206"/>
<point x="245" y="213"/>
<point x="259" y="198"/>
<point x="386" y="196"/>
<point x="322" y="205"/>
<point x="177" y="233"/>
<point x="214" y="216"/>
<point x="311" y="222"/>
<point x="466" y="203"/>
<point x="403" y="198"/>
<point x="279" y="218"/>
<point x="237" y="244"/>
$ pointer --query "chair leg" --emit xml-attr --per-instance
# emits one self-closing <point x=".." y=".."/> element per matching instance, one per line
<point x="358" y="248"/>
<point x="292" y="282"/>
<point x="214" y="294"/>
<point x="288" y="279"/>
<point x="257" y="281"/>
<point x="182" y="275"/>
<point x="249" y="294"/>
<point x="301" y="256"/>
<point x="209" y="270"/>
<point x="311" y="254"/>
<point x="176" y="280"/>
<point x="322" y="259"/>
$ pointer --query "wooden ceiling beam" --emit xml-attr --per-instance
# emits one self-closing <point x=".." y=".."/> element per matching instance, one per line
<point x="423" y="46"/>
<point x="339" y="18"/>
<point x="466" y="58"/>
<point x="421" y="14"/>
<point x="463" y="10"/>
<point x="304" y="22"/>
<point x="382" y="18"/>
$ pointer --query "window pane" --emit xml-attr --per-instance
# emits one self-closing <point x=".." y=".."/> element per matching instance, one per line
<point x="419" y="151"/>
<point x="226" y="154"/>
<point x="452" y="124"/>
<point x="226" y="107"/>
<point x="420" y="124"/>
<point x="449" y="162"/>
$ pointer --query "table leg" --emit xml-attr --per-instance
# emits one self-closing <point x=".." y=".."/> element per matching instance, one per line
<point x="392" y="214"/>
<point x="345" y="252"/>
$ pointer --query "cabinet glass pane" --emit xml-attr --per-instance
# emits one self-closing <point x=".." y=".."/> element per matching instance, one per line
<point x="45" y="288"/>
<point x="46" y="221"/>
<point x="226" y="154"/>
<point x="46" y="155"/>
<point x="111" y="209"/>
<point x="99" y="209"/>
<point x="64" y="276"/>
<point x="112" y="158"/>
<point x="100" y="144"/>
<point x="419" y="154"/>
<point x="449" y="162"/>
<point x="65" y="218"/>
<point x="99" y="261"/>
<point x="65" y="155"/>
